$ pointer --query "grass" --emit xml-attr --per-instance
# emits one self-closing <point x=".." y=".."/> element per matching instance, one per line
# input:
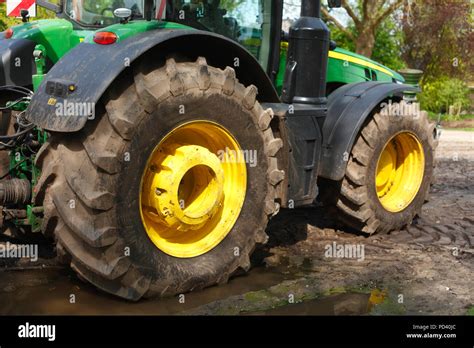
<point x="470" y="311"/>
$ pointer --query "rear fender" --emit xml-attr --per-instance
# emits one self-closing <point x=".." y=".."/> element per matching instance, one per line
<point x="84" y="74"/>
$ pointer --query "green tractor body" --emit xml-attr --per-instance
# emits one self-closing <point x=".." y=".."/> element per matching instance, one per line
<point x="59" y="36"/>
<point x="155" y="139"/>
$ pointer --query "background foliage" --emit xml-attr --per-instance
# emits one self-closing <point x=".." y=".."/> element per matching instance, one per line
<point x="6" y="22"/>
<point x="435" y="36"/>
<point x="441" y="93"/>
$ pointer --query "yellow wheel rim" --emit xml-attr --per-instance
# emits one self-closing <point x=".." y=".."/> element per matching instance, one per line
<point x="193" y="189"/>
<point x="399" y="172"/>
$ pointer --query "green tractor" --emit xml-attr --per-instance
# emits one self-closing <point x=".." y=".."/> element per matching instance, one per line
<point x="154" y="140"/>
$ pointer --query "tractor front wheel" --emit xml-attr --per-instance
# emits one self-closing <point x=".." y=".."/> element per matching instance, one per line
<point x="388" y="174"/>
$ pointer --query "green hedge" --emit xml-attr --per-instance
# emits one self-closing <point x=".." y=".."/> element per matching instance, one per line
<point x="440" y="94"/>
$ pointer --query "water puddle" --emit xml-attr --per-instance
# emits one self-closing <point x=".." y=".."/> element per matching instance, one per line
<point x="351" y="303"/>
<point x="341" y="304"/>
<point x="58" y="291"/>
<point x="49" y="291"/>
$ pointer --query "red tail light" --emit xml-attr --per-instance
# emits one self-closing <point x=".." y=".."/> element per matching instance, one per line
<point x="8" y="33"/>
<point x="105" y="38"/>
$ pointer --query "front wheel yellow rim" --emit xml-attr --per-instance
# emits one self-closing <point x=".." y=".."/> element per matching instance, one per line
<point x="400" y="170"/>
<point x="193" y="189"/>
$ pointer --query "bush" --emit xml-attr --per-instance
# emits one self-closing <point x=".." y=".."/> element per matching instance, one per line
<point x="440" y="94"/>
<point x="5" y="21"/>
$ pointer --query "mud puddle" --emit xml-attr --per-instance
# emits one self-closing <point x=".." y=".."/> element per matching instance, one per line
<point x="342" y="304"/>
<point x="59" y="291"/>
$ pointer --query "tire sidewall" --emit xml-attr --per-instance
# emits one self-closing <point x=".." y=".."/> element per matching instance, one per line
<point x="397" y="125"/>
<point x="199" y="271"/>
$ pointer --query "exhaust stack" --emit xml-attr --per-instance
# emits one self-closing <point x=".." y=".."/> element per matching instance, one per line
<point x="305" y="76"/>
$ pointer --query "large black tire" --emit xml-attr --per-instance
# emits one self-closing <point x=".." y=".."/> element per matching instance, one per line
<point x="87" y="171"/>
<point x="354" y="200"/>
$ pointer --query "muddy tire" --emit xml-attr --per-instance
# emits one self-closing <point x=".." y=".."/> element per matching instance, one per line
<point x="358" y="201"/>
<point x="90" y="182"/>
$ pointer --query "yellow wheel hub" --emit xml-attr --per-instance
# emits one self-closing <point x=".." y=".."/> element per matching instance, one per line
<point x="193" y="189"/>
<point x="399" y="172"/>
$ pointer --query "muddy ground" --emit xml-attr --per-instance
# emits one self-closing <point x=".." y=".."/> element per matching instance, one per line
<point x="426" y="269"/>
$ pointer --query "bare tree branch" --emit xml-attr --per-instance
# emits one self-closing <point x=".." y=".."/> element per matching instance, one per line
<point x="387" y="12"/>
<point x="337" y="23"/>
<point x="364" y="9"/>
<point x="351" y="12"/>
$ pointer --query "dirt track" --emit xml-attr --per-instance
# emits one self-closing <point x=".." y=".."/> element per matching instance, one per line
<point x="425" y="269"/>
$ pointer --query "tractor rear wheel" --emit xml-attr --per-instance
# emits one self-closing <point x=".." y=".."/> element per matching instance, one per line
<point x="170" y="187"/>
<point x="388" y="174"/>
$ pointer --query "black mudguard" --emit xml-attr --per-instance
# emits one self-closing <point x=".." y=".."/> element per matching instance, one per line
<point x="348" y="108"/>
<point x="16" y="62"/>
<point x="92" y="68"/>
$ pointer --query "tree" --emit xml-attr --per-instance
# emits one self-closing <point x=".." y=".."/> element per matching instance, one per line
<point x="439" y="38"/>
<point x="388" y="40"/>
<point x="367" y="16"/>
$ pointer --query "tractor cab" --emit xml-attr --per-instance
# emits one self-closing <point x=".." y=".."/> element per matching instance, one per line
<point x="255" y="24"/>
<point x="249" y="22"/>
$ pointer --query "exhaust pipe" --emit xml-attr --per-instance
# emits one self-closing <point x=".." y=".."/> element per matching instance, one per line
<point x="311" y="8"/>
<point x="306" y="70"/>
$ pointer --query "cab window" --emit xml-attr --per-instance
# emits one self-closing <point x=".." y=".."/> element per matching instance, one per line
<point x="101" y="12"/>
<point x="245" y="21"/>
